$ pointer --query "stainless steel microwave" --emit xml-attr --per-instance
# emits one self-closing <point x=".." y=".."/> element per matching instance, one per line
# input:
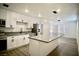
<point x="2" y="22"/>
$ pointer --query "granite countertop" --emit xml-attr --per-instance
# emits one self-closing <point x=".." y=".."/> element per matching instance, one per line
<point x="46" y="39"/>
<point x="12" y="34"/>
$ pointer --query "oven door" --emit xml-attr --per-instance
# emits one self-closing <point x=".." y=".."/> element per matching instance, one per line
<point x="3" y="44"/>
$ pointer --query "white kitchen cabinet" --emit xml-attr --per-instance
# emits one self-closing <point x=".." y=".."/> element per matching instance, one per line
<point x="20" y="41"/>
<point x="13" y="21"/>
<point x="22" y="18"/>
<point x="23" y="40"/>
<point x="10" y="20"/>
<point x="11" y="42"/>
<point x="18" y="17"/>
<point x="39" y="48"/>
<point x="9" y="17"/>
<point x="48" y="47"/>
<point x="34" y="48"/>
<point x="17" y="41"/>
<point x="2" y="13"/>
<point x="26" y="39"/>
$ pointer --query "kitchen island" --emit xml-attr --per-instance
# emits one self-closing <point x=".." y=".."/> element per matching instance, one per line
<point x="42" y="46"/>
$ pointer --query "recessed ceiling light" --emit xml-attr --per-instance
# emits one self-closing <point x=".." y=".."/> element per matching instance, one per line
<point x="58" y="10"/>
<point x="39" y="15"/>
<point x="55" y="12"/>
<point x="26" y="10"/>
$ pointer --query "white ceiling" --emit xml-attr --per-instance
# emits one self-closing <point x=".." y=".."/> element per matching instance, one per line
<point x="45" y="9"/>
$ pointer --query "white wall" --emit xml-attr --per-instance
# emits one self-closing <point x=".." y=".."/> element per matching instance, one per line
<point x="70" y="29"/>
<point x="77" y="36"/>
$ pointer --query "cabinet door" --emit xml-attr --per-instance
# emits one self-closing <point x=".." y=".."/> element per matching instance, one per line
<point x="11" y="42"/>
<point x="23" y="40"/>
<point x="20" y="41"/>
<point x="18" y="16"/>
<point x="34" y="47"/>
<point x="26" y="41"/>
<point x="13" y="19"/>
<point x="3" y="13"/>
<point x="10" y="19"/>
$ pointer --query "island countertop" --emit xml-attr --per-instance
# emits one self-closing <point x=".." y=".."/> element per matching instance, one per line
<point x="41" y="45"/>
<point x="46" y="39"/>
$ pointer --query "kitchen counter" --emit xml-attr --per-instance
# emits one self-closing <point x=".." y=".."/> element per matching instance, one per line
<point x="42" y="45"/>
<point x="12" y="41"/>
<point x="46" y="39"/>
<point x="3" y="37"/>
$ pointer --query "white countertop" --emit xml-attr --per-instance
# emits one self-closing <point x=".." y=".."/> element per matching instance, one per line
<point x="46" y="38"/>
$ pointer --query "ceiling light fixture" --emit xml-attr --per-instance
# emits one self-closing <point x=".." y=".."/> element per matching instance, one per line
<point x="26" y="10"/>
<point x="39" y="15"/>
<point x="55" y="12"/>
<point x="58" y="10"/>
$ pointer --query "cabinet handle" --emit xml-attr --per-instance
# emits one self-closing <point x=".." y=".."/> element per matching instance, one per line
<point x="11" y="26"/>
<point x="12" y="40"/>
<point x="12" y="37"/>
<point x="24" y="38"/>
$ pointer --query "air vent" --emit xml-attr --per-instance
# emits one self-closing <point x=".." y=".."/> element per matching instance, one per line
<point x="5" y="5"/>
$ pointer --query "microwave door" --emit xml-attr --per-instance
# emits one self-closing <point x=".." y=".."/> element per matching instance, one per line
<point x="3" y="23"/>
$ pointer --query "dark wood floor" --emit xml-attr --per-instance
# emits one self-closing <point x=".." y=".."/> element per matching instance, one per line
<point x="67" y="47"/>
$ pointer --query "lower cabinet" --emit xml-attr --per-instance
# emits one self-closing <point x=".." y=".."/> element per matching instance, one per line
<point x="39" y="48"/>
<point x="17" y="41"/>
<point x="11" y="42"/>
<point x="25" y="40"/>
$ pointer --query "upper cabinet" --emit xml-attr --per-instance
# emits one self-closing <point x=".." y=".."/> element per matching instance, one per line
<point x="18" y="17"/>
<point x="14" y="19"/>
<point x="3" y="13"/>
<point x="10" y="19"/>
<point x="21" y="18"/>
